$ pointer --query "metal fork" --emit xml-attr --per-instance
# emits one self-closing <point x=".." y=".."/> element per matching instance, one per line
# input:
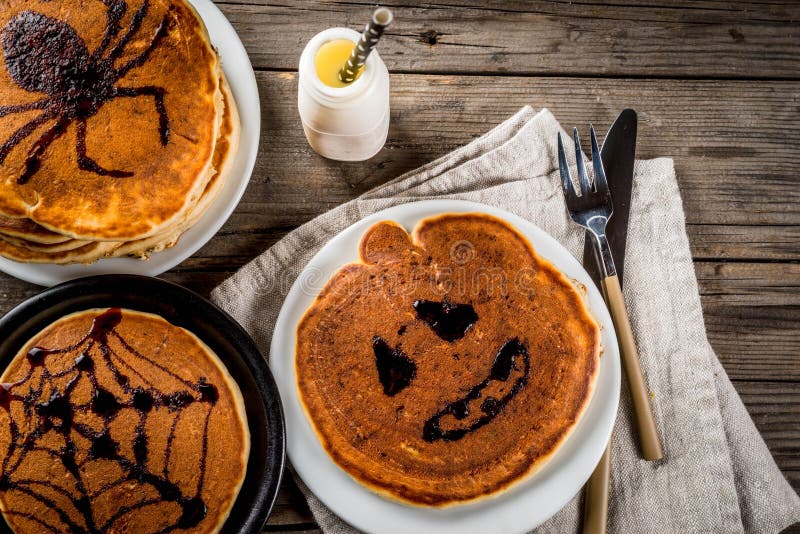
<point x="592" y="209"/>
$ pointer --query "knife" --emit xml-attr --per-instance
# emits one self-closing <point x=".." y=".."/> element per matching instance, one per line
<point x="618" y="153"/>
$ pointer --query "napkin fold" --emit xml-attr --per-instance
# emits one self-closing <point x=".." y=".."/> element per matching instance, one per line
<point x="718" y="475"/>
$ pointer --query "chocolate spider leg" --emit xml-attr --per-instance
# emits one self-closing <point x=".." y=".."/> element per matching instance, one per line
<point x="139" y="60"/>
<point x="34" y="160"/>
<point x="24" y="131"/>
<point x="133" y="27"/>
<point x="158" y="94"/>
<point x="29" y="106"/>
<point x="116" y="10"/>
<point x="85" y="163"/>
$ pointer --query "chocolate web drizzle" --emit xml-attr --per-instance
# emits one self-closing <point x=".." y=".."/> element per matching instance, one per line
<point x="57" y="414"/>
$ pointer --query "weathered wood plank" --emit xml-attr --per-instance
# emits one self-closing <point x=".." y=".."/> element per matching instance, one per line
<point x="735" y="144"/>
<point x="752" y="311"/>
<point x="290" y="508"/>
<point x="706" y="39"/>
<point x="744" y="242"/>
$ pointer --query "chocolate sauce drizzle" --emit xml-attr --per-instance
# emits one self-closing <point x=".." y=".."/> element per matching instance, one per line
<point x="46" y="55"/>
<point x="56" y="413"/>
<point x="448" y="321"/>
<point x="395" y="369"/>
<point x="505" y="362"/>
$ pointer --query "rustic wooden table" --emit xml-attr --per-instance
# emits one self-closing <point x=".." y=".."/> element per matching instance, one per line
<point x="717" y="88"/>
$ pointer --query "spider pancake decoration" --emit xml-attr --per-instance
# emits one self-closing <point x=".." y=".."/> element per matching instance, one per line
<point x="45" y="55"/>
<point x="118" y="421"/>
<point x="447" y="365"/>
<point x="109" y="114"/>
<point x="24" y="240"/>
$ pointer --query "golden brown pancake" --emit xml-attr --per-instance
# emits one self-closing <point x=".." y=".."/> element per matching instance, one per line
<point x="83" y="254"/>
<point x="224" y="155"/>
<point x="118" y="421"/>
<point x="70" y="244"/>
<point x="110" y="111"/>
<point x="445" y="367"/>
<point x="24" y="228"/>
<point x="78" y="251"/>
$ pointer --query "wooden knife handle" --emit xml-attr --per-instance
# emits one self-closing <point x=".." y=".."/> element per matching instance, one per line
<point x="595" y="507"/>
<point x="649" y="440"/>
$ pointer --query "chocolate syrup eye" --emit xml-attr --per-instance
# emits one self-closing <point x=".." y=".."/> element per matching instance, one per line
<point x="449" y="321"/>
<point x="395" y="369"/>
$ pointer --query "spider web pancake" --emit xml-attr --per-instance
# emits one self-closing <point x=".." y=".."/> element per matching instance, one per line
<point x="110" y="113"/>
<point x="117" y="420"/>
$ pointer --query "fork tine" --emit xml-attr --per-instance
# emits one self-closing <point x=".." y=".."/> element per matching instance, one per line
<point x="600" y="183"/>
<point x="583" y="178"/>
<point x="566" y="180"/>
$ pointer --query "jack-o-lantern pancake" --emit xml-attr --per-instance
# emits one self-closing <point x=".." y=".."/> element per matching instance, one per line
<point x="445" y="367"/>
<point x="118" y="421"/>
<point x="109" y="113"/>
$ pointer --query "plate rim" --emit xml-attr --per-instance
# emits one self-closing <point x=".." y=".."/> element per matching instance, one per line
<point x="29" y="316"/>
<point x="283" y="370"/>
<point x="239" y="72"/>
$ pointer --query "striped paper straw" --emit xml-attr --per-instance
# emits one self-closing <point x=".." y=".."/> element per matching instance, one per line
<point x="381" y="18"/>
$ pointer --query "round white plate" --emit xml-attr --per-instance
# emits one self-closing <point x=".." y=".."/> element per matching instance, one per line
<point x="242" y="80"/>
<point x="519" y="509"/>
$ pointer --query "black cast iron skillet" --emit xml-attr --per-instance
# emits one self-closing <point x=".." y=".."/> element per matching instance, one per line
<point x="216" y="328"/>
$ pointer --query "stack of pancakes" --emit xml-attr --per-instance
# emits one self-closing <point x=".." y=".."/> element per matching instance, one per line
<point x="112" y="174"/>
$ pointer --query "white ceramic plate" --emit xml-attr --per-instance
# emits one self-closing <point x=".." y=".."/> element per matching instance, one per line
<point x="242" y="80"/>
<point x="526" y="504"/>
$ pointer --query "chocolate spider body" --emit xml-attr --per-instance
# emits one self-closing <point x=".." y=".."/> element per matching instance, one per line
<point x="46" y="55"/>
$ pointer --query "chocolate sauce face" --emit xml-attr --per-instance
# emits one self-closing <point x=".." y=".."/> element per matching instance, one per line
<point x="57" y="413"/>
<point x="451" y="322"/>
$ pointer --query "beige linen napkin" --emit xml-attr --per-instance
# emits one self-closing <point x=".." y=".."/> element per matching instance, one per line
<point x="718" y="475"/>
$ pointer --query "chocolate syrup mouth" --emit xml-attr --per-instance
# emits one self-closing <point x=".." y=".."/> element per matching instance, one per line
<point x="48" y="407"/>
<point x="506" y="365"/>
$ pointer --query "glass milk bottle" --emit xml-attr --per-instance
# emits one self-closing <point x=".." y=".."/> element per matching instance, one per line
<point x="345" y="122"/>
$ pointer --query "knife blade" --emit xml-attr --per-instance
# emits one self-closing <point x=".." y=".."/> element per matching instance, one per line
<point x="618" y="154"/>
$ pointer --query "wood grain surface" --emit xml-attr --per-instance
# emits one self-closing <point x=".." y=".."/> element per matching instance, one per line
<point x="717" y="88"/>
